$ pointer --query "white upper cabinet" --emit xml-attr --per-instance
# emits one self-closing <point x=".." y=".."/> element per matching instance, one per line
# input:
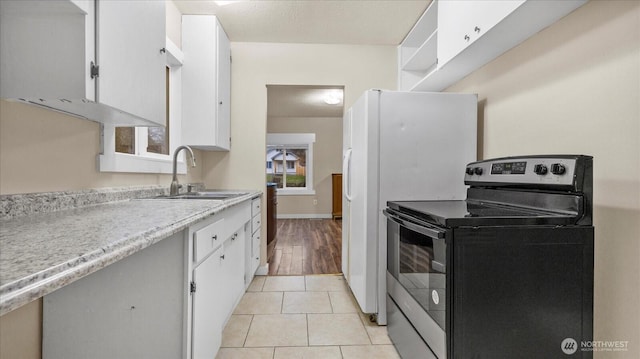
<point x="132" y="57"/>
<point x="43" y="50"/>
<point x="47" y="49"/>
<point x="455" y="37"/>
<point x="462" y="22"/>
<point x="206" y="84"/>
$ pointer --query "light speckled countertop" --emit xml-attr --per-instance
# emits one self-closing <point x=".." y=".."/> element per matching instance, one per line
<point x="40" y="253"/>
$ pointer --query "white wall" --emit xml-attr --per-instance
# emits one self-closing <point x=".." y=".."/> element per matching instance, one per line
<point x="575" y="88"/>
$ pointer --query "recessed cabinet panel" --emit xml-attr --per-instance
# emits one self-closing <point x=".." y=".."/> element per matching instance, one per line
<point x="206" y="83"/>
<point x="42" y="50"/>
<point x="131" y="39"/>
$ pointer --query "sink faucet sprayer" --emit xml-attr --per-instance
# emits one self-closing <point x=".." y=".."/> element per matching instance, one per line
<point x="173" y="190"/>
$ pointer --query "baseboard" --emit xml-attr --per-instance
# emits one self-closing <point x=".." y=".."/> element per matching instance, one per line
<point x="263" y="270"/>
<point x="301" y="216"/>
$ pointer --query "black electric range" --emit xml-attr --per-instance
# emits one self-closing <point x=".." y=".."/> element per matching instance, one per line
<point x="506" y="273"/>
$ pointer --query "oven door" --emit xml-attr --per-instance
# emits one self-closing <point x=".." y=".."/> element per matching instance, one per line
<point x="416" y="278"/>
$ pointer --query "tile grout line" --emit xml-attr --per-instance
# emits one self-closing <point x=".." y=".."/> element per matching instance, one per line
<point x="244" y="342"/>
<point x="308" y="339"/>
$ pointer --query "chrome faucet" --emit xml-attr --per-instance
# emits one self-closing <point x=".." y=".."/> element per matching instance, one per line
<point x="173" y="190"/>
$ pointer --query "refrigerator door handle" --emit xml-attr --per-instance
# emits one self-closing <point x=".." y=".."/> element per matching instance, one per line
<point x="346" y="169"/>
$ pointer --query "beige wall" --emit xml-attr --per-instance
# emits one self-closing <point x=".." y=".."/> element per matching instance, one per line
<point x="42" y="151"/>
<point x="256" y="65"/>
<point x="327" y="159"/>
<point x="575" y="88"/>
<point x="21" y="332"/>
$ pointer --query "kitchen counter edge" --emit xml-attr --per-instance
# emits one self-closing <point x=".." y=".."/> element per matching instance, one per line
<point x="32" y="286"/>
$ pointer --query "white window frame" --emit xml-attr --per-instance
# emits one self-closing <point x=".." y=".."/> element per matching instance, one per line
<point x="142" y="161"/>
<point x="296" y="140"/>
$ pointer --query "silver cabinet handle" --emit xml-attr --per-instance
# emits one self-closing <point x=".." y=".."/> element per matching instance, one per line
<point x="466" y="37"/>
<point x="421" y="227"/>
<point x="222" y="256"/>
<point x="477" y="29"/>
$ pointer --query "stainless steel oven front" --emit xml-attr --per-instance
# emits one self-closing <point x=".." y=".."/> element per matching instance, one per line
<point x="417" y="281"/>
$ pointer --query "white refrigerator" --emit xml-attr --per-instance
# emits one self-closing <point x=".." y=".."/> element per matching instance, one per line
<point x="397" y="146"/>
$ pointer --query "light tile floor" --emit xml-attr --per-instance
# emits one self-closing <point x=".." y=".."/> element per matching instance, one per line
<point x="302" y="317"/>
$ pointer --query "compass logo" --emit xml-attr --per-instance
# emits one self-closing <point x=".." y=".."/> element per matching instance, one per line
<point x="569" y="346"/>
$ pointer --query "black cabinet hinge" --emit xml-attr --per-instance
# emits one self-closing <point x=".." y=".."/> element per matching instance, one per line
<point x="95" y="70"/>
<point x="192" y="287"/>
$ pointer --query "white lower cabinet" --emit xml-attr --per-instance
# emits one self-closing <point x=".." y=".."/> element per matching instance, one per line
<point x="208" y="305"/>
<point x="170" y="300"/>
<point x="133" y="308"/>
<point x="217" y="277"/>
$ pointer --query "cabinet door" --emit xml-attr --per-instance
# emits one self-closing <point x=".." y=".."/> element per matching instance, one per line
<point x="462" y="22"/>
<point x="209" y="306"/>
<point x="131" y="35"/>
<point x="454" y="18"/>
<point x="234" y="268"/>
<point x="255" y="250"/>
<point x="132" y="308"/>
<point x="43" y="50"/>
<point x="206" y="78"/>
<point x="223" y="78"/>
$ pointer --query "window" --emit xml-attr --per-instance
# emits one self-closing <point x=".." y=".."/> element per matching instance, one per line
<point x="148" y="149"/>
<point x="145" y="140"/>
<point x="290" y="162"/>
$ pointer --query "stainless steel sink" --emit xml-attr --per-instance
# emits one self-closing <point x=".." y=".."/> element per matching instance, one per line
<point x="206" y="194"/>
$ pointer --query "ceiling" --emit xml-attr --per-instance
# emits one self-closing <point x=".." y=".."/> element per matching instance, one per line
<point x="357" y="22"/>
<point x="353" y="22"/>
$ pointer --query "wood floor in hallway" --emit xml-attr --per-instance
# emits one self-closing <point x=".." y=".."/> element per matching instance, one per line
<point x="307" y="246"/>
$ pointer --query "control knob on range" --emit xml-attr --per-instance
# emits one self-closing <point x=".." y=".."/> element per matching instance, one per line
<point x="540" y="169"/>
<point x="558" y="169"/>
<point x="477" y="170"/>
<point x="469" y="171"/>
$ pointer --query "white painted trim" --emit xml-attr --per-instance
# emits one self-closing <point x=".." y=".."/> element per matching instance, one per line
<point x="175" y="57"/>
<point x="294" y="140"/>
<point x="122" y="162"/>
<point x="302" y="216"/>
<point x="274" y="139"/>
<point x="263" y="270"/>
<point x="295" y="192"/>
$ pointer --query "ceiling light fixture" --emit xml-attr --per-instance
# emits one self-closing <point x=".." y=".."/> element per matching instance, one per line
<point x="333" y="98"/>
<point x="227" y="2"/>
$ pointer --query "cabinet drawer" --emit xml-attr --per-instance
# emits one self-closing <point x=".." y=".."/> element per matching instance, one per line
<point x="207" y="239"/>
<point x="255" y="223"/>
<point x="255" y="207"/>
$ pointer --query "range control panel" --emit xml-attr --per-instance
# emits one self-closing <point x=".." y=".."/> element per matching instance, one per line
<point x="547" y="170"/>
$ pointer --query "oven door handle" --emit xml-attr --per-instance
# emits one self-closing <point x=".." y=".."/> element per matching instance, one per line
<point x="420" y="228"/>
